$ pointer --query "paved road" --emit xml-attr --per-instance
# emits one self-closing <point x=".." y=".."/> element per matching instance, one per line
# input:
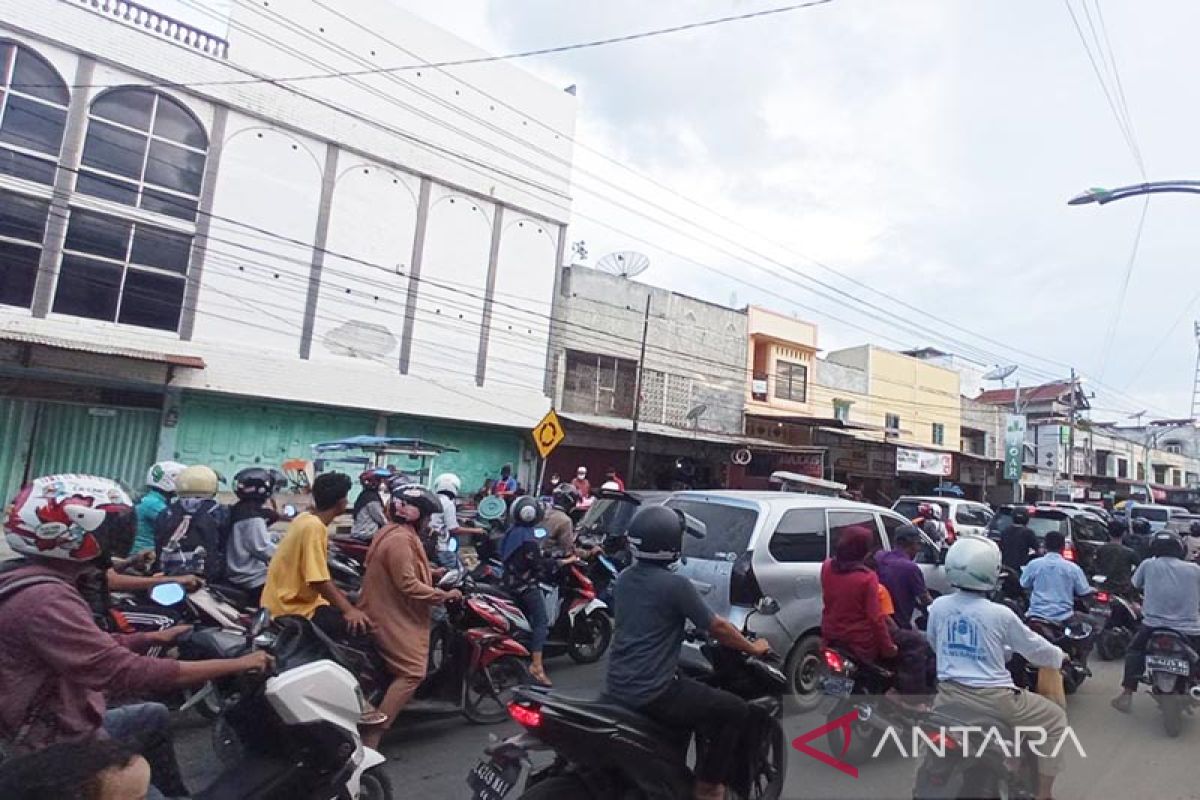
<point x="1127" y="757"/>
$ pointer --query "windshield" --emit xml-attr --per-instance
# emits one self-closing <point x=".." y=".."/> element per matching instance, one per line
<point x="608" y="516"/>
<point x="1151" y="514"/>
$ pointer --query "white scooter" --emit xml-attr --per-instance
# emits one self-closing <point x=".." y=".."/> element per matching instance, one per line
<point x="296" y="732"/>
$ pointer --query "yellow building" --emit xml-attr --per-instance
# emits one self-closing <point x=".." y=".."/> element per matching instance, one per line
<point x="912" y="402"/>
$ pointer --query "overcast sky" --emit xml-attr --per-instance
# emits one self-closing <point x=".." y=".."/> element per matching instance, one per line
<point x="924" y="148"/>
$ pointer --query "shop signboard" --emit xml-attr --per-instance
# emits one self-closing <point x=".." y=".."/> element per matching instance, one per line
<point x="924" y="462"/>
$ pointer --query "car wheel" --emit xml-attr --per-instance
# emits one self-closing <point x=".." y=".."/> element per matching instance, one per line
<point x="803" y="670"/>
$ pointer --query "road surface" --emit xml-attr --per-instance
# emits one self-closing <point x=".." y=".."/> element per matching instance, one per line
<point x="1127" y="756"/>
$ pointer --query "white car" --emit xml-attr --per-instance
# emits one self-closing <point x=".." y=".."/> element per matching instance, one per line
<point x="962" y="517"/>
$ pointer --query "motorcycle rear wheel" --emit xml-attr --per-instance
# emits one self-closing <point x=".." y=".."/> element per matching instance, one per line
<point x="1172" y="711"/>
<point x="375" y="785"/>
<point x="863" y="737"/>
<point x="590" y="638"/>
<point x="555" y="788"/>
<point x="479" y="704"/>
<point x="1112" y="644"/>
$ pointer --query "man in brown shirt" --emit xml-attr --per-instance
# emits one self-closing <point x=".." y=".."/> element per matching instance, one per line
<point x="560" y="529"/>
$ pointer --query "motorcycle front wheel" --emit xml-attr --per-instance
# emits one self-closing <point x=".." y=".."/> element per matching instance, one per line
<point x="487" y="692"/>
<point x="590" y="638"/>
<point x="767" y="783"/>
<point x="375" y="785"/>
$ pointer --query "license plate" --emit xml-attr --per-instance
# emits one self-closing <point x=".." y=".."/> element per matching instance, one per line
<point x="837" y="687"/>
<point x="492" y="781"/>
<point x="1175" y="666"/>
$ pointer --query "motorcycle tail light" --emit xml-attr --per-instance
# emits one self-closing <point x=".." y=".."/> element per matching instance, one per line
<point x="1101" y="597"/>
<point x="1166" y="643"/>
<point x="527" y="716"/>
<point x="833" y="661"/>
<point x="1069" y="552"/>
<point x="942" y="741"/>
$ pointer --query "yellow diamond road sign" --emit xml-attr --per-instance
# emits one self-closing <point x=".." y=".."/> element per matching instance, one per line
<point x="548" y="434"/>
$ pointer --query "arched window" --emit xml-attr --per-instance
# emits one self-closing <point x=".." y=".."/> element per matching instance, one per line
<point x="144" y="149"/>
<point x="33" y="114"/>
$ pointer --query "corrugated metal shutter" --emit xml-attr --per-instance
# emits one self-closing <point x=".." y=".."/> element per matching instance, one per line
<point x="231" y="434"/>
<point x="16" y="423"/>
<point x="117" y="443"/>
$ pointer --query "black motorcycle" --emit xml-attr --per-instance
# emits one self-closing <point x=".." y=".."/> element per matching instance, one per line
<point x="1008" y="591"/>
<point x="1121" y="614"/>
<point x="1173" y="673"/>
<point x="981" y="766"/>
<point x="860" y="687"/>
<point x="604" y="749"/>
<point x="1072" y="637"/>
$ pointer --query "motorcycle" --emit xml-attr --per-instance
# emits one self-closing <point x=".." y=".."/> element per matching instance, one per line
<point x="983" y="766"/>
<point x="1072" y="637"/>
<point x="1008" y="591"/>
<point x="1173" y="673"/>
<point x="1122" y="617"/>
<point x="293" y="734"/>
<point x="608" y="555"/>
<point x="859" y="686"/>
<point x="604" y="749"/>
<point x="474" y="660"/>
<point x="579" y="622"/>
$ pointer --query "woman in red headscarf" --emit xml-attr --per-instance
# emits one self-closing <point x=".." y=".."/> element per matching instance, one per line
<point x="853" y="617"/>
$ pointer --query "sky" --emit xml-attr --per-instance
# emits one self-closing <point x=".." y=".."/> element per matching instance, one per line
<point x="913" y="158"/>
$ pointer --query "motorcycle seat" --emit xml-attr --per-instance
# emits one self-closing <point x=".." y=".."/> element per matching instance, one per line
<point x="609" y="710"/>
<point x="239" y="598"/>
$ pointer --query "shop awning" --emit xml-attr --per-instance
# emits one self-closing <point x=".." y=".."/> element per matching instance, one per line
<point x="658" y="429"/>
<point x="100" y="348"/>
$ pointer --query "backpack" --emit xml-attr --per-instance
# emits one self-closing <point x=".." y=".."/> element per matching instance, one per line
<point x="187" y="526"/>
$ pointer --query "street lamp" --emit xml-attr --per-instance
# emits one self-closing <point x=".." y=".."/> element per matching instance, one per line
<point x="1104" y="196"/>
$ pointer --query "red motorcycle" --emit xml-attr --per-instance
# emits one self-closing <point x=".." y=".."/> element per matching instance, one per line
<point x="475" y="661"/>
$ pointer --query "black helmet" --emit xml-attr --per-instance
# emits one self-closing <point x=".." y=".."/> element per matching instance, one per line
<point x="566" y="497"/>
<point x="414" y="495"/>
<point x="1168" y="545"/>
<point x="1194" y="530"/>
<point x="1117" y="527"/>
<point x="526" y="511"/>
<point x="278" y="478"/>
<point x="656" y="534"/>
<point x="253" y="483"/>
<point x="1020" y="516"/>
<point x="1141" y="526"/>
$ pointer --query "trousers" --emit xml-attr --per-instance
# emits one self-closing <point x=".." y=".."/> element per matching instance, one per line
<point x="147" y="728"/>
<point x="718" y="717"/>
<point x="1015" y="707"/>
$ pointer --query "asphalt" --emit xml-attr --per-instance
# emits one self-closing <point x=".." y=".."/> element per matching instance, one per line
<point x="1127" y="756"/>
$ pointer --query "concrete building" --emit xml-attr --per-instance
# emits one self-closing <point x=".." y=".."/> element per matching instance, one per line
<point x="693" y="385"/>
<point x="203" y="264"/>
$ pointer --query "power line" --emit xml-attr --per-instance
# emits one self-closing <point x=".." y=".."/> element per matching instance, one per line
<point x="522" y="54"/>
<point x="1111" y="335"/>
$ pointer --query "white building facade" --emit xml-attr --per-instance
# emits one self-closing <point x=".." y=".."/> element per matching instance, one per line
<point x="201" y="263"/>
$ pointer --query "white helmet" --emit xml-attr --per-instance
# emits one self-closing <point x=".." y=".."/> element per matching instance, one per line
<point x="973" y="563"/>
<point x="447" y="483"/>
<point x="163" y="474"/>
<point x="611" y="486"/>
<point x="936" y="510"/>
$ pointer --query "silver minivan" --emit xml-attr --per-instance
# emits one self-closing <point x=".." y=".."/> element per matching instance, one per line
<point x="773" y="543"/>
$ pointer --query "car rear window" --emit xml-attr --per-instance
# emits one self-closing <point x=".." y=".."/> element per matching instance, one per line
<point x="1151" y="514"/>
<point x="1043" y="525"/>
<point x="729" y="529"/>
<point x="907" y="508"/>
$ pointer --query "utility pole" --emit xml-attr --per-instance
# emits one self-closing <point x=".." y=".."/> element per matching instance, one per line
<point x="1196" y="378"/>
<point x="637" y="396"/>
<point x="1071" y="439"/>
<point x="1016" y="484"/>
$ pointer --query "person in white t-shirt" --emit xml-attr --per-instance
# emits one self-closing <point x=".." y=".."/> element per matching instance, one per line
<point x="969" y="634"/>
<point x="444" y="525"/>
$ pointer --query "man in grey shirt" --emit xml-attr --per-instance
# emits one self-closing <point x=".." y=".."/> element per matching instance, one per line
<point x="1172" y="601"/>
<point x="653" y="604"/>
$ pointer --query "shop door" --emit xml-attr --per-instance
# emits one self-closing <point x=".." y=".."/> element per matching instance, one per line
<point x="118" y="443"/>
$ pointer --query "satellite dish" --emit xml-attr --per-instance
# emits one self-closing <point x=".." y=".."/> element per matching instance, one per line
<point x="624" y="264"/>
<point x="696" y="412"/>
<point x="1000" y="373"/>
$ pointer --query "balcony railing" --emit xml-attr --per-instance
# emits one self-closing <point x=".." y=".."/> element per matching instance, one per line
<point x="160" y="25"/>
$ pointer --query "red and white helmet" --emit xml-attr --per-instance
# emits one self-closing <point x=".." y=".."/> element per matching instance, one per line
<point x="59" y="516"/>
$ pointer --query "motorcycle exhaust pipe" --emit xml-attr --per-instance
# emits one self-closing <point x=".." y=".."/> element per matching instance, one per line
<point x="1194" y="692"/>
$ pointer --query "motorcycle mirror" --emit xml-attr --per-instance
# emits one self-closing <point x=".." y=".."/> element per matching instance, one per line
<point x="1099" y="579"/>
<point x="450" y="579"/>
<point x="289" y="511"/>
<point x="452" y="545"/>
<point x="168" y="594"/>
<point x="767" y="606"/>
<point x="259" y="623"/>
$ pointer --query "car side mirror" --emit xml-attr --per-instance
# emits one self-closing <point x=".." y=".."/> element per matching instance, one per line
<point x="767" y="606"/>
<point x="168" y="594"/>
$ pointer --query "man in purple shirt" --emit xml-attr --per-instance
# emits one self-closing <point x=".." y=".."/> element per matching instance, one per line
<point x="901" y="575"/>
